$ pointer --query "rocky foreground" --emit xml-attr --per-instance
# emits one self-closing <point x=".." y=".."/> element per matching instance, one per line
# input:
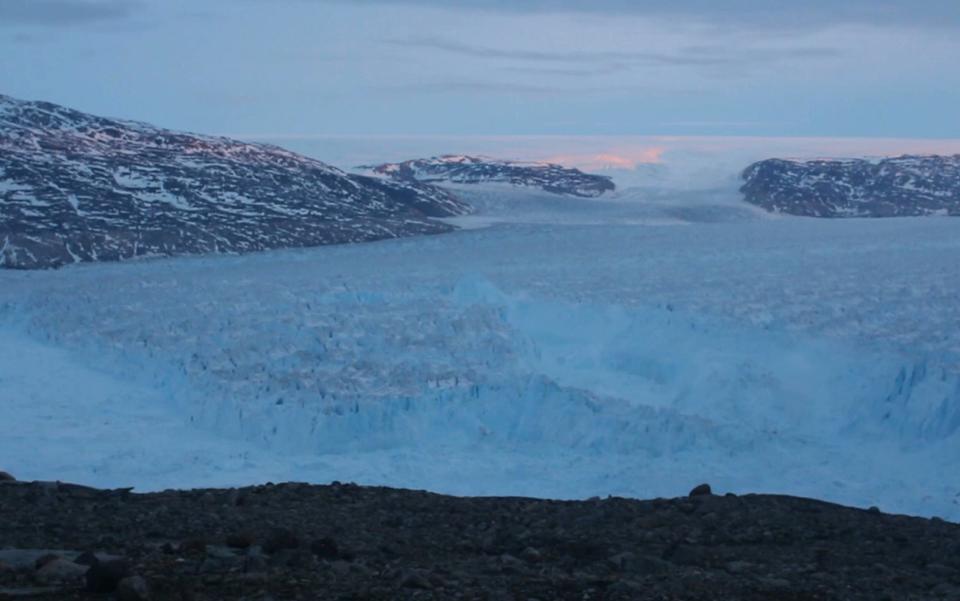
<point x="298" y="541"/>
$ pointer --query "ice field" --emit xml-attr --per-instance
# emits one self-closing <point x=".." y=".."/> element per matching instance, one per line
<point x="553" y="347"/>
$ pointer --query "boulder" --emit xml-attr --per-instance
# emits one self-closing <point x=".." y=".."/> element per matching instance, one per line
<point x="325" y="548"/>
<point x="281" y="539"/>
<point x="105" y="576"/>
<point x="240" y="540"/>
<point x="60" y="570"/>
<point x="703" y="490"/>
<point x="133" y="588"/>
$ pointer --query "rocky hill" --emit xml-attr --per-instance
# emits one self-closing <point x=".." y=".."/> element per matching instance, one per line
<point x="460" y="169"/>
<point x="895" y="187"/>
<point x="296" y="541"/>
<point x="75" y="187"/>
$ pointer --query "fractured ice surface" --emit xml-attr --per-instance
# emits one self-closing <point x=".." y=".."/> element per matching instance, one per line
<point x="564" y="359"/>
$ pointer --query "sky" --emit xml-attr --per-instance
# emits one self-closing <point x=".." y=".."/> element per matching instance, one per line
<point x="295" y="70"/>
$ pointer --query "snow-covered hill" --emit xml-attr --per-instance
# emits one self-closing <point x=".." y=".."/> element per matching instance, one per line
<point x="460" y="169"/>
<point x="902" y="186"/>
<point x="75" y="187"/>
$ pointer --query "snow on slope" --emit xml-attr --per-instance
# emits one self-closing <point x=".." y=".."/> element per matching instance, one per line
<point x="77" y="187"/>
<point x="788" y="356"/>
<point x="890" y="187"/>
<point x="468" y="170"/>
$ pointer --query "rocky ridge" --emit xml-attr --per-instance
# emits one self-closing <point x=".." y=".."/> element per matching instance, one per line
<point x="76" y="187"/>
<point x="893" y="187"/>
<point x="461" y="169"/>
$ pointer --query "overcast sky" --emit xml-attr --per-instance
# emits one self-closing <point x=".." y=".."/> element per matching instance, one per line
<point x="289" y="68"/>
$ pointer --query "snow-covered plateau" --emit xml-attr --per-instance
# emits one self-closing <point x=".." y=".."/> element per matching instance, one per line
<point x="632" y="346"/>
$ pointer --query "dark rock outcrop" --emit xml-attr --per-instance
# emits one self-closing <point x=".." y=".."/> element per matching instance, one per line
<point x="75" y="187"/>
<point x="459" y="169"/>
<point x="105" y="576"/>
<point x="895" y="187"/>
<point x="701" y="490"/>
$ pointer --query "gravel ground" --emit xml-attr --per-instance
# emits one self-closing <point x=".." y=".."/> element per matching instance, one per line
<point x="342" y="541"/>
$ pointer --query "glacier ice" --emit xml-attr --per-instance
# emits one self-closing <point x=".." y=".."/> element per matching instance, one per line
<point x="565" y="359"/>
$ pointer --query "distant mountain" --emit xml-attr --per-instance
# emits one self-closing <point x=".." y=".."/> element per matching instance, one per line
<point x="75" y="187"/>
<point x="895" y="187"/>
<point x="460" y="169"/>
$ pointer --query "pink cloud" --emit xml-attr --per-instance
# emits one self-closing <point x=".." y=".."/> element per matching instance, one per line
<point x="613" y="159"/>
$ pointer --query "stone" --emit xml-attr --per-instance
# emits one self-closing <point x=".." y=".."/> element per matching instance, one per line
<point x="739" y="567"/>
<point x="941" y="571"/>
<point x="221" y="552"/>
<point x="532" y="555"/>
<point x="240" y="540"/>
<point x="511" y="563"/>
<point x="774" y="583"/>
<point x="702" y="490"/>
<point x="413" y="579"/>
<point x="254" y="564"/>
<point x="280" y="539"/>
<point x="646" y="564"/>
<point x="87" y="558"/>
<point x="26" y="559"/>
<point x="61" y="570"/>
<point x="44" y="560"/>
<point x="193" y="545"/>
<point x="622" y="561"/>
<point x="292" y="558"/>
<point x="340" y="567"/>
<point x="254" y="577"/>
<point x="625" y="589"/>
<point x="325" y="548"/>
<point x="688" y="555"/>
<point x="9" y="594"/>
<point x="104" y="576"/>
<point x="133" y="588"/>
<point x="945" y="590"/>
<point x="212" y="565"/>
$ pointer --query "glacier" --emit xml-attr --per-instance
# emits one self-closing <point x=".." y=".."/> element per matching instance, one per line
<point x="632" y="346"/>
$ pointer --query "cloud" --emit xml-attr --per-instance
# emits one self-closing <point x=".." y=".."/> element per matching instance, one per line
<point x="492" y="87"/>
<point x="478" y="51"/>
<point x="584" y="71"/>
<point x="714" y="124"/>
<point x="617" y="158"/>
<point x="479" y="86"/>
<point x="62" y="13"/>
<point x="611" y="61"/>
<point x="746" y="14"/>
